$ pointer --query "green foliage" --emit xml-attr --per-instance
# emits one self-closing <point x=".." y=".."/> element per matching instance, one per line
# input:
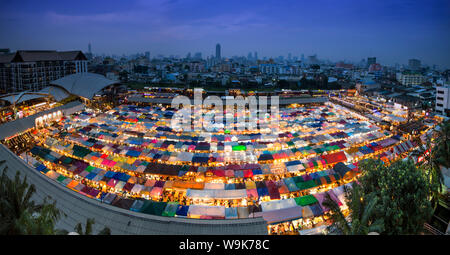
<point x="442" y="153"/>
<point x="403" y="192"/>
<point x="20" y="215"/>
<point x="88" y="228"/>
<point x="361" y="213"/>
<point x="392" y="200"/>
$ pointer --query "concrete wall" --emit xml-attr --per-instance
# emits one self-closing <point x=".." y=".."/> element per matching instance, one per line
<point x="79" y="208"/>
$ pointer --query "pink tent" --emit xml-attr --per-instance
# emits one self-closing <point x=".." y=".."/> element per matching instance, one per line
<point x="112" y="183"/>
<point x="229" y="173"/>
<point x="150" y="183"/>
<point x="156" y="191"/>
<point x="252" y="193"/>
<point x="105" y="162"/>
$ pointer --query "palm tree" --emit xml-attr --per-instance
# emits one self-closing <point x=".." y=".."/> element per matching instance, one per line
<point x="88" y="228"/>
<point x="19" y="214"/>
<point x="361" y="210"/>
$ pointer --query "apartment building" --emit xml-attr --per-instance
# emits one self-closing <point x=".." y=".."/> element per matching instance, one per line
<point x="33" y="70"/>
<point x="443" y="100"/>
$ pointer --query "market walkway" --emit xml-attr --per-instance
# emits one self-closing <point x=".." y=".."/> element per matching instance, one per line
<point x="20" y="125"/>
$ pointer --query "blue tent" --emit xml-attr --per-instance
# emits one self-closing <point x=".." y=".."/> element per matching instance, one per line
<point x="230" y="186"/>
<point x="262" y="192"/>
<point x="317" y="211"/>
<point x="91" y="176"/>
<point x="239" y="174"/>
<point x="41" y="167"/>
<point x="110" y="174"/>
<point x="132" y="153"/>
<point x="257" y="172"/>
<point x="182" y="210"/>
<point x="231" y="213"/>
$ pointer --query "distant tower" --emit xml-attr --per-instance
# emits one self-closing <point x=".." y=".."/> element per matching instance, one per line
<point x="371" y="60"/>
<point x="89" y="48"/>
<point x="256" y="55"/>
<point x="218" y="56"/>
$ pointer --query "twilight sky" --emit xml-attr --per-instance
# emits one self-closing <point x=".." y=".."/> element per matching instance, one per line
<point x="393" y="31"/>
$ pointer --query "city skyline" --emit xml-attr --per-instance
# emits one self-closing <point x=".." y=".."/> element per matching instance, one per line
<point x="394" y="31"/>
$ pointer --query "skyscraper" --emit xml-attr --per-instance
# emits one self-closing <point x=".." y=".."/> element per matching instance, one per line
<point x="256" y="55"/>
<point x="89" y="48"/>
<point x="371" y="60"/>
<point x="218" y="56"/>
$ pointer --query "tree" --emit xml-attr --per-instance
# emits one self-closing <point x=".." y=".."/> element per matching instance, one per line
<point x="88" y="228"/>
<point x="361" y="211"/>
<point x="442" y="155"/>
<point x="403" y="193"/>
<point x="19" y="214"/>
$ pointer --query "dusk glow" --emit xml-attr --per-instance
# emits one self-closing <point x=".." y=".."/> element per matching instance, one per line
<point x="394" y="31"/>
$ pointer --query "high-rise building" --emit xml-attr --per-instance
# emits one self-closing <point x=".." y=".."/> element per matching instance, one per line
<point x="256" y="55"/>
<point x="250" y="56"/>
<point x="218" y="53"/>
<point x="443" y="100"/>
<point x="147" y="55"/>
<point x="414" y="64"/>
<point x="34" y="70"/>
<point x="89" y="52"/>
<point x="371" y="60"/>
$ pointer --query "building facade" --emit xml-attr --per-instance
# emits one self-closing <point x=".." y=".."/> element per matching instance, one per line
<point x="218" y="52"/>
<point x="409" y="79"/>
<point x="34" y="70"/>
<point x="443" y="100"/>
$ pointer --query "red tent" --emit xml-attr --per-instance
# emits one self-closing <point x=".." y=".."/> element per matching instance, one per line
<point x="335" y="157"/>
<point x="273" y="190"/>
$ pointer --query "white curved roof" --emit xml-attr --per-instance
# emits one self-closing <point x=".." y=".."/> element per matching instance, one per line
<point x="83" y="84"/>
<point x="57" y="92"/>
<point x="22" y="97"/>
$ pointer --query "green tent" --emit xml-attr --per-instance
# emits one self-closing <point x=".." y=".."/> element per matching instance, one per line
<point x="154" y="208"/>
<point x="239" y="148"/>
<point x="306" y="185"/>
<point x="328" y="179"/>
<point x="67" y="160"/>
<point x="89" y="169"/>
<point x="305" y="200"/>
<point x="318" y="150"/>
<point x="171" y="209"/>
<point x="298" y="179"/>
<point x="318" y="181"/>
<point x="61" y="178"/>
